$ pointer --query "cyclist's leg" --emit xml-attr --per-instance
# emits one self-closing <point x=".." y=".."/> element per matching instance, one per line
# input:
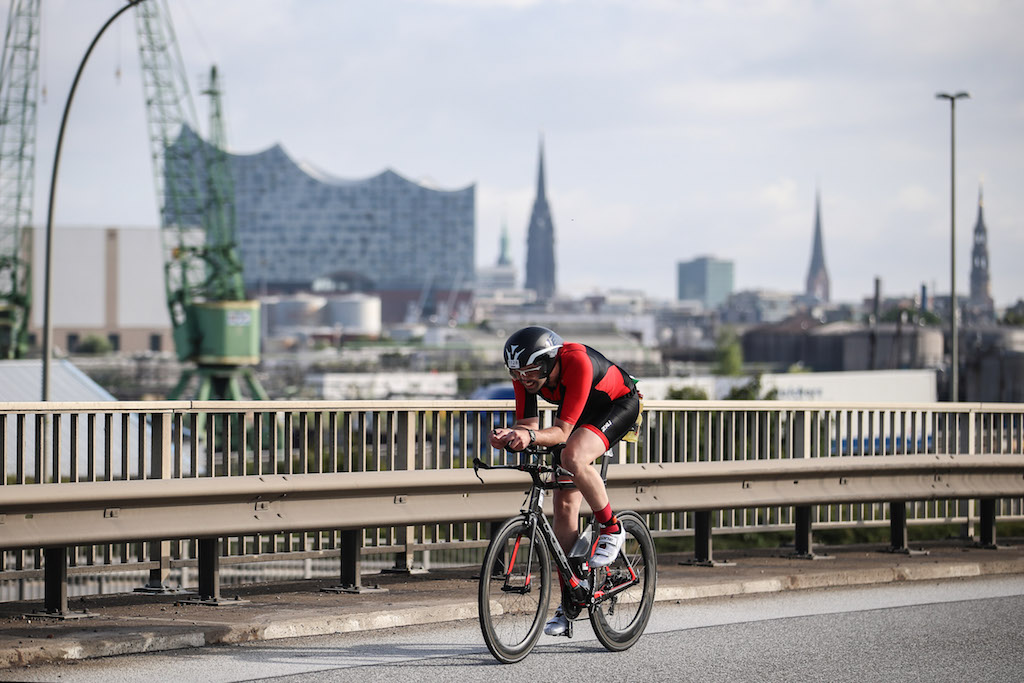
<point x="599" y="429"/>
<point x="581" y="449"/>
<point x="587" y="443"/>
<point x="566" y="504"/>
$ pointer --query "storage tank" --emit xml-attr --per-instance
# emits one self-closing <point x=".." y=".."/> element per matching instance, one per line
<point x="297" y="311"/>
<point x="356" y="314"/>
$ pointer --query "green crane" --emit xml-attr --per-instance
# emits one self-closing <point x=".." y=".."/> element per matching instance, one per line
<point x="19" y="90"/>
<point x="213" y="323"/>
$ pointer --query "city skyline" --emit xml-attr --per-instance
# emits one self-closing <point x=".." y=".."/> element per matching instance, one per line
<point x="671" y="131"/>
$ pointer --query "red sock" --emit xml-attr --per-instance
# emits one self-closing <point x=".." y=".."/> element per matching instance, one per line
<point x="608" y="521"/>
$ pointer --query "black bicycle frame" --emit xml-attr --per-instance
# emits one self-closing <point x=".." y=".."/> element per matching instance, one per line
<point x="578" y="586"/>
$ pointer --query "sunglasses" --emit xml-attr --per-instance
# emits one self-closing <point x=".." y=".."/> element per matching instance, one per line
<point x="531" y="373"/>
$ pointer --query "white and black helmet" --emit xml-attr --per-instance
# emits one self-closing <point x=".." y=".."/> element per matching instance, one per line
<point x="532" y="346"/>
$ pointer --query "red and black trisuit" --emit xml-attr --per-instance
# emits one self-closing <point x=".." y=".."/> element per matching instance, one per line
<point x="592" y="393"/>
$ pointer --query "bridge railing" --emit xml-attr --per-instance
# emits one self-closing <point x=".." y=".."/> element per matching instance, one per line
<point x="47" y="449"/>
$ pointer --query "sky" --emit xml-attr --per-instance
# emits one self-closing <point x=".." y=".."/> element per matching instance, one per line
<point x="671" y="129"/>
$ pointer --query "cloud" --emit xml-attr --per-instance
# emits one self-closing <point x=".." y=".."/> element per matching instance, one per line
<point x="671" y="128"/>
<point x="916" y="198"/>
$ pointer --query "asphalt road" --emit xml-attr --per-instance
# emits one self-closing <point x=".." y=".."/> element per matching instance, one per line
<point x="954" y="630"/>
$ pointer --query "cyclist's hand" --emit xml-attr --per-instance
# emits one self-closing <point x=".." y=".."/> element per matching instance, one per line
<point x="511" y="439"/>
<point x="499" y="437"/>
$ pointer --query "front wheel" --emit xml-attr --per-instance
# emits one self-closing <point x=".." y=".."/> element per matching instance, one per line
<point x="620" y="620"/>
<point x="515" y="585"/>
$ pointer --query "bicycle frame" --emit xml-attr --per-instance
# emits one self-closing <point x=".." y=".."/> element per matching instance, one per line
<point x="578" y="586"/>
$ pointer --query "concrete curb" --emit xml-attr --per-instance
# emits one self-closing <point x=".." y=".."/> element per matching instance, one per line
<point x="30" y="651"/>
<point x="369" y="621"/>
<point x="120" y="635"/>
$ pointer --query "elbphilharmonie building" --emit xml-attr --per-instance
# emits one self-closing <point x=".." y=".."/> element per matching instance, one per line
<point x="412" y="245"/>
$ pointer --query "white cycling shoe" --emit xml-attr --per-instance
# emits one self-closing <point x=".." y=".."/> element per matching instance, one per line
<point x="608" y="547"/>
<point x="557" y="625"/>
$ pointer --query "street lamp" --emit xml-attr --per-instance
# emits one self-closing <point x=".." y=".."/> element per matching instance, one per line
<point x="954" y="385"/>
<point x="47" y="273"/>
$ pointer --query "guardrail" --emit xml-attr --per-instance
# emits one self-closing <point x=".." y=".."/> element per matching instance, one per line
<point x="87" y="479"/>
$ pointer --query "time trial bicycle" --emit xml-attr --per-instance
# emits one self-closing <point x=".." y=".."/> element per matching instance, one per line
<point x="516" y="579"/>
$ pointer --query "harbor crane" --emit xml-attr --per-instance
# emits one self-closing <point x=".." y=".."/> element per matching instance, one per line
<point x="19" y="90"/>
<point x="214" y="326"/>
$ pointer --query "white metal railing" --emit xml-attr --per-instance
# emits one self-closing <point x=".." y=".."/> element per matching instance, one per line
<point x="48" y="444"/>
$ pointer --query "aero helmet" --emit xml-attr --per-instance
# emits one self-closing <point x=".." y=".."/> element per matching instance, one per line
<point x="532" y="346"/>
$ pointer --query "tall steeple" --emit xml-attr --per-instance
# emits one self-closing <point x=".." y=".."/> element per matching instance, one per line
<point x="981" y="288"/>
<point x="817" y="274"/>
<point x="540" y="241"/>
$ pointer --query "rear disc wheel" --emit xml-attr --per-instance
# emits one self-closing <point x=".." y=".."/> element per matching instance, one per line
<point x="620" y="620"/>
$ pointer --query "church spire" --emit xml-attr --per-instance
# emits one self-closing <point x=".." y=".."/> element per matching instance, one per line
<point x="540" y="172"/>
<point x="981" y="289"/>
<point x="540" y="241"/>
<point x="503" y="256"/>
<point x="817" y="274"/>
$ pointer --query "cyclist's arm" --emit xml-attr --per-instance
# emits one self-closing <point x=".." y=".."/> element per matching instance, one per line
<point x="518" y="436"/>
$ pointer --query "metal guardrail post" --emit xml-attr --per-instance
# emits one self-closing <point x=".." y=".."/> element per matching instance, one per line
<point x="898" y="526"/>
<point x="702" y="536"/>
<point x="804" y="541"/>
<point x="209" y="569"/>
<point x="702" y="552"/>
<point x="55" y="580"/>
<point x="898" y="539"/>
<point x="352" y="565"/>
<point x="209" y="577"/>
<point x="55" y="586"/>
<point x="988" y="523"/>
<point x="352" y="560"/>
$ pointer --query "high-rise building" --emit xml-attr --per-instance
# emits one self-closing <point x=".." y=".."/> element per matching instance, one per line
<point x="817" y="275"/>
<point x="411" y="245"/>
<point x="980" y="303"/>
<point x="540" y="242"/>
<point x="705" y="279"/>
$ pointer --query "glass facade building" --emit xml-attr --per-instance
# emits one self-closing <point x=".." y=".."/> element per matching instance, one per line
<point x="297" y="226"/>
<point x="705" y="279"/>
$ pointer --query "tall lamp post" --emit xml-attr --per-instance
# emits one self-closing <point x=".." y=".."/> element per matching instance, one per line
<point x="48" y="276"/>
<point x="954" y="385"/>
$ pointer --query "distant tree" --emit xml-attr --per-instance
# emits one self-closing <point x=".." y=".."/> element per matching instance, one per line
<point x="1015" y="314"/>
<point x="728" y="354"/>
<point x="690" y="393"/>
<point x="751" y="391"/>
<point x="914" y="316"/>
<point x="93" y="344"/>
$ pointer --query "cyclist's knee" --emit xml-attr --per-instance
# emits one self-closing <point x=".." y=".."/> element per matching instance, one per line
<point x="581" y="451"/>
<point x="575" y="459"/>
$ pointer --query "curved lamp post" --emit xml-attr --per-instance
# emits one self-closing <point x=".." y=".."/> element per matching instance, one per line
<point x="48" y="295"/>
<point x="954" y="309"/>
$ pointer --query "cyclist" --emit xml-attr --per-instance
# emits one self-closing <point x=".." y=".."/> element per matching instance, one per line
<point x="598" y="404"/>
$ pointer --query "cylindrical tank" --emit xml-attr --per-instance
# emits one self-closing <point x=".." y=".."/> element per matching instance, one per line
<point x="297" y="311"/>
<point x="355" y="314"/>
